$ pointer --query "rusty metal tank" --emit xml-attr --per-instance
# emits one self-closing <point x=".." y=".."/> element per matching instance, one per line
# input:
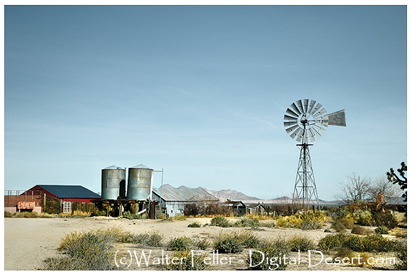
<point x="113" y="183"/>
<point x="139" y="184"/>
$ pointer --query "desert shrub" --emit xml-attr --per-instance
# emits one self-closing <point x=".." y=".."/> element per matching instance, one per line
<point x="188" y="262"/>
<point x="377" y="243"/>
<point x="179" y="217"/>
<point x="364" y="217"/>
<point x="363" y="259"/>
<point x="301" y="243"/>
<point x="220" y="221"/>
<point x="155" y="239"/>
<point x="7" y="214"/>
<point x="247" y="222"/>
<point x="26" y="214"/>
<point x="353" y="242"/>
<point x="289" y="221"/>
<point x="344" y="252"/>
<point x="326" y="230"/>
<point x="347" y="221"/>
<point x="202" y="244"/>
<point x="310" y="224"/>
<point x="401" y="252"/>
<point x="381" y="230"/>
<point x="360" y="230"/>
<point x="228" y="243"/>
<point x="332" y="242"/>
<point x="191" y="209"/>
<point x="385" y="219"/>
<point x="272" y="249"/>
<point x="248" y="239"/>
<point x="160" y="215"/>
<point x="131" y="216"/>
<point x="85" y="251"/>
<point x="194" y="224"/>
<point x="338" y="226"/>
<point x="179" y="243"/>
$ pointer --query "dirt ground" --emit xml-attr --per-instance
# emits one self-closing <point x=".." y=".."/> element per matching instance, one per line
<point x="27" y="242"/>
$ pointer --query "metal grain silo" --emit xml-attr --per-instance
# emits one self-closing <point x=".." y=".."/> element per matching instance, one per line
<point x="113" y="183"/>
<point x="139" y="185"/>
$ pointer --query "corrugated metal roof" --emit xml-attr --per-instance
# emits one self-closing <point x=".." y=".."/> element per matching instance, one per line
<point x="184" y="194"/>
<point x="67" y="191"/>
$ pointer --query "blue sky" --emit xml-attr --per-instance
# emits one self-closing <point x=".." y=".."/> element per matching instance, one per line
<point x="201" y="91"/>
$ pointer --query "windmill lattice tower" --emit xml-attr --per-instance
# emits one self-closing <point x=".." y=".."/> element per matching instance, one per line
<point x="305" y="120"/>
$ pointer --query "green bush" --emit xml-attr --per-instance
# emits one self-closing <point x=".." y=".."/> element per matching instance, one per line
<point x="377" y="243"/>
<point x="364" y="218"/>
<point x="220" y="221"/>
<point x="188" y="262"/>
<point x="360" y="230"/>
<point x="247" y="222"/>
<point x="301" y="243"/>
<point x="26" y="214"/>
<point x="385" y="219"/>
<point x="369" y="243"/>
<point x="179" y="243"/>
<point x="344" y="252"/>
<point x="194" y="224"/>
<point x="348" y="222"/>
<point x="8" y="214"/>
<point x="401" y="250"/>
<point x="338" y="226"/>
<point x="272" y="249"/>
<point x="228" y="243"/>
<point x="201" y="244"/>
<point x="311" y="224"/>
<point x="332" y="242"/>
<point x="381" y="230"/>
<point x="85" y="251"/>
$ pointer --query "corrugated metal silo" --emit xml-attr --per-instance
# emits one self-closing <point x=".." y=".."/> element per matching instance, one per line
<point x="140" y="181"/>
<point x="113" y="183"/>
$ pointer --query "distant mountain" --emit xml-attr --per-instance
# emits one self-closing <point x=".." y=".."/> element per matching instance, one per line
<point x="231" y="194"/>
<point x="234" y="195"/>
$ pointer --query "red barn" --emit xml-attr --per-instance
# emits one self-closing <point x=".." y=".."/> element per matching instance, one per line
<point x="67" y="193"/>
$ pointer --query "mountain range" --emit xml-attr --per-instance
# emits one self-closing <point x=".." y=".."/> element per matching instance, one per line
<point x="225" y="194"/>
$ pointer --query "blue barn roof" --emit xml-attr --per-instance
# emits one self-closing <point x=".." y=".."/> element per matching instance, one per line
<point x="65" y="191"/>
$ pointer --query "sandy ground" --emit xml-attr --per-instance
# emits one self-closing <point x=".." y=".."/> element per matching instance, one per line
<point x="28" y="242"/>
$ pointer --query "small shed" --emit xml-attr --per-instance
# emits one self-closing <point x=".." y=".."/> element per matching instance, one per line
<point x="238" y="207"/>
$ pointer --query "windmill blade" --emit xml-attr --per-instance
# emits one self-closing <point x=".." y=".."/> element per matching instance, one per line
<point x="337" y="118"/>
<point x="316" y="133"/>
<point x="299" y="138"/>
<point x="293" y="135"/>
<point x="300" y="106"/>
<point x="318" y="106"/>
<point x="321" y="129"/>
<point x="287" y="117"/>
<point x="291" y="113"/>
<point x="312" y="135"/>
<point x="295" y="108"/>
<point x="288" y="124"/>
<point x="305" y="105"/>
<point x="312" y="103"/>
<point x="292" y="128"/>
<point x="320" y="112"/>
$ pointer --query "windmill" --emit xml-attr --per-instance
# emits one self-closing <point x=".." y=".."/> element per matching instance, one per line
<point x="305" y="120"/>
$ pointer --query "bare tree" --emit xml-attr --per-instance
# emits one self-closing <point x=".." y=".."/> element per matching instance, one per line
<point x="356" y="190"/>
<point x="385" y="187"/>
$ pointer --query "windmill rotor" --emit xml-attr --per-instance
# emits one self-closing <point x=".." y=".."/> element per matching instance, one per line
<point x="306" y="120"/>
